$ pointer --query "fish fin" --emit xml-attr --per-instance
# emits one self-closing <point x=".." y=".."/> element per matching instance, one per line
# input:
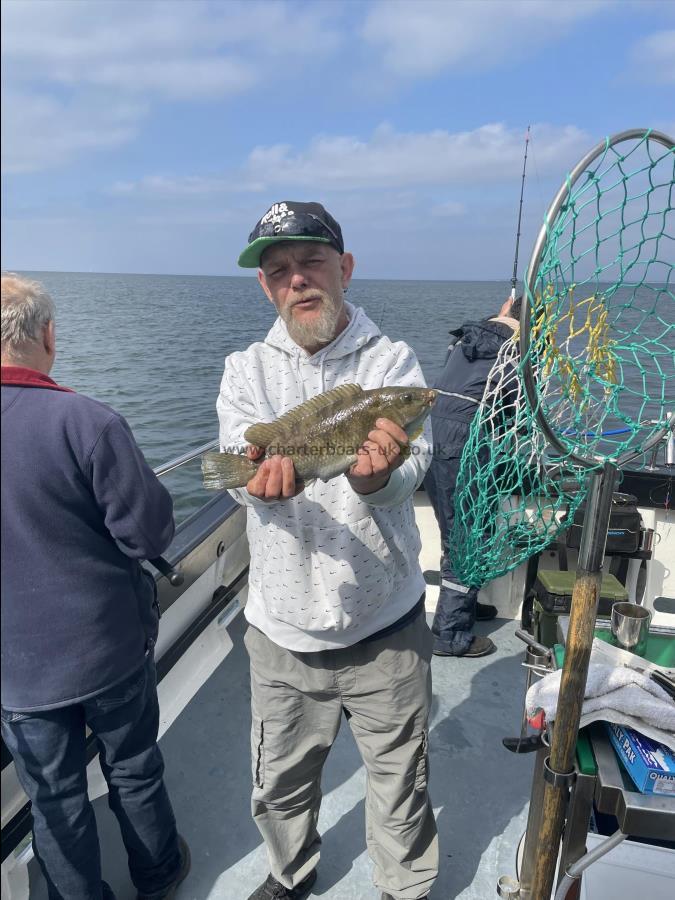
<point x="225" y="471"/>
<point x="266" y="433"/>
<point x="338" y="468"/>
<point x="412" y="435"/>
<point x="262" y="434"/>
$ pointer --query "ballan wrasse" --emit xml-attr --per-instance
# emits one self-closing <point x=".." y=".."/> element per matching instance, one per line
<point x="323" y="435"/>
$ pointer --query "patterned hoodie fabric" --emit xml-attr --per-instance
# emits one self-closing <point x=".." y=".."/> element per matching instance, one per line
<point x="328" y="567"/>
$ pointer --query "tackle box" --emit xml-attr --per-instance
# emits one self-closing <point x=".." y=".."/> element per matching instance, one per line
<point x="553" y="590"/>
<point x="624" y="533"/>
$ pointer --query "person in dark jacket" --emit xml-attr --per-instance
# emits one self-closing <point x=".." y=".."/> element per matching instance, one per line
<point x="466" y="372"/>
<point x="80" y="509"/>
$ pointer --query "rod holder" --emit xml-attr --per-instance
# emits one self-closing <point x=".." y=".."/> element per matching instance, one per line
<point x="508" y="888"/>
<point x="558" y="779"/>
<point x="532" y="644"/>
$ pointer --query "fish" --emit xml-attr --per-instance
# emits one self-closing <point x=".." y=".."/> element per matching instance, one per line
<point x="322" y="435"/>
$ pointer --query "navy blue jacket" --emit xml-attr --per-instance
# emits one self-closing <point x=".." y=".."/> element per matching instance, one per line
<point x="466" y="372"/>
<point x="80" y="508"/>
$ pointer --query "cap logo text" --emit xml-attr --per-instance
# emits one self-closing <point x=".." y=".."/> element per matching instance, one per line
<point x="276" y="214"/>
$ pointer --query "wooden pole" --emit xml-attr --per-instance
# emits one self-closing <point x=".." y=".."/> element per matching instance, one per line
<point x="573" y="680"/>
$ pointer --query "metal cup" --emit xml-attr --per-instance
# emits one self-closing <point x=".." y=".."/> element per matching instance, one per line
<point x="508" y="887"/>
<point x="630" y="627"/>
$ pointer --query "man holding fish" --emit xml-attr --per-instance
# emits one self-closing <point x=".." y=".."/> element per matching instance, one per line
<point x="325" y="426"/>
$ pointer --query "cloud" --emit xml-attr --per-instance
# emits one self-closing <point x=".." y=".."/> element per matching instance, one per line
<point x="164" y="185"/>
<point x="447" y="210"/>
<point x="653" y="58"/>
<point x="100" y="67"/>
<point x="39" y="131"/>
<point x="42" y="221"/>
<point x="164" y="50"/>
<point x="178" y="79"/>
<point x="389" y="158"/>
<point x="422" y="37"/>
<point x="169" y="49"/>
<point x="203" y="218"/>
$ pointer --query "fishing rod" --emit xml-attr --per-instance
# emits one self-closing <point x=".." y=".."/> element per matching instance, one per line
<point x="514" y="277"/>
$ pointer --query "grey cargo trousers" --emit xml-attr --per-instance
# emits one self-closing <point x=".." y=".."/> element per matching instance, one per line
<point x="297" y="701"/>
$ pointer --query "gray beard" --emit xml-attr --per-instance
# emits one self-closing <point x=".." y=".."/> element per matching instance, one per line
<point x="320" y="331"/>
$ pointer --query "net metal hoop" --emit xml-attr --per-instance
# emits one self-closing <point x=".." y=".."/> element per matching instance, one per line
<point x="529" y="381"/>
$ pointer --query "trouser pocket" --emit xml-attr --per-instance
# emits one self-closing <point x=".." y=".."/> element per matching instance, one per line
<point x="258" y="753"/>
<point x="126" y="692"/>
<point x="422" y="769"/>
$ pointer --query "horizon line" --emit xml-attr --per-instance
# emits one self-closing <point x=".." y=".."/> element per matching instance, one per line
<point x="194" y="275"/>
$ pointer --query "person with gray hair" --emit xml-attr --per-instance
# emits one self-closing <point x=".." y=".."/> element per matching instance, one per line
<point x="335" y="604"/>
<point x="80" y="509"/>
<point x="27" y="309"/>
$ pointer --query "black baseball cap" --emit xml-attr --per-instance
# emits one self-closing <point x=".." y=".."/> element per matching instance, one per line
<point x="291" y="221"/>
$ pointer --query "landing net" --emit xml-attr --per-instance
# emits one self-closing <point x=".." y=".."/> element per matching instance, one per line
<point x="593" y="377"/>
<point x="509" y="499"/>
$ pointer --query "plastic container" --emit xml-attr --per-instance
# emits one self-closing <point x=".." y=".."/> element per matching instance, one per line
<point x="631" y="870"/>
<point x="553" y="590"/>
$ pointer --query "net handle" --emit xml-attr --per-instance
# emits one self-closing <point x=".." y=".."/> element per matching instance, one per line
<point x="533" y="268"/>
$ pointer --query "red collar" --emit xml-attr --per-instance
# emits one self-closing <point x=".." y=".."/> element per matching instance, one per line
<point x="20" y="376"/>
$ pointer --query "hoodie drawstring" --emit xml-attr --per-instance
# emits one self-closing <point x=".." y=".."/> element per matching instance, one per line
<point x="299" y="378"/>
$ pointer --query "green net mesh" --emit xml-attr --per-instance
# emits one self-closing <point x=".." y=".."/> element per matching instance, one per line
<point x="601" y="361"/>
<point x="510" y="496"/>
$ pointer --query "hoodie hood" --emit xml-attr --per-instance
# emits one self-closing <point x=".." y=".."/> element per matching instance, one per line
<point x="482" y="339"/>
<point x="359" y="332"/>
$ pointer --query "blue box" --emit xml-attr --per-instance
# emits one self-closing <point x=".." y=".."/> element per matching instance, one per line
<point x="650" y="765"/>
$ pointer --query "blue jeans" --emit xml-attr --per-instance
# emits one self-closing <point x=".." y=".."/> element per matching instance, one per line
<point x="456" y="607"/>
<point x="49" y="750"/>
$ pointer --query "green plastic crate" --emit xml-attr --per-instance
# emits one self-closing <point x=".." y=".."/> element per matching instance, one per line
<point x="553" y="590"/>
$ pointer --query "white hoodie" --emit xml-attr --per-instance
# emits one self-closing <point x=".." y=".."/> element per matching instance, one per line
<point x="330" y="566"/>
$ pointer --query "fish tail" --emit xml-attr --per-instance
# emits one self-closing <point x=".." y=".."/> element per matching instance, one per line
<point x="225" y="471"/>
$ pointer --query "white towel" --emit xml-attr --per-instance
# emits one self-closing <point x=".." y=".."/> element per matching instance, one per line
<point x="613" y="694"/>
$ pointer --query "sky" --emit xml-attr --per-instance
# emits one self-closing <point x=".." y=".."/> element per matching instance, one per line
<point x="149" y="137"/>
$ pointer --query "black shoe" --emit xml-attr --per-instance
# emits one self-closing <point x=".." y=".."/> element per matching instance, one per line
<point x="169" y="891"/>
<point x="272" y="889"/>
<point x="479" y="646"/>
<point x="485" y="612"/>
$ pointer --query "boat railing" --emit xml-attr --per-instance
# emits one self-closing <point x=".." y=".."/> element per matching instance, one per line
<point x="162" y="565"/>
<point x="187" y="457"/>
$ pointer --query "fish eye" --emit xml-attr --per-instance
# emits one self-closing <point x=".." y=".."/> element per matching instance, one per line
<point x="408" y="398"/>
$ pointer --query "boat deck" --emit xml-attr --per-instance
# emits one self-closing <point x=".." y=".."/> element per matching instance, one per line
<point x="479" y="790"/>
